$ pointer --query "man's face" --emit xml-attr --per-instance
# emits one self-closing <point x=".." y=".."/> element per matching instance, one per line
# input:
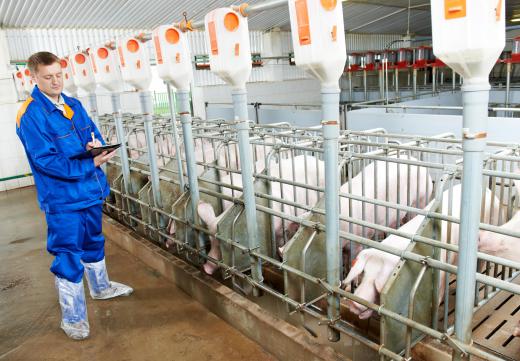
<point x="49" y="79"/>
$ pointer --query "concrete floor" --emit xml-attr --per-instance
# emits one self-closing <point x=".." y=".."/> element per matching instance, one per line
<point x="158" y="322"/>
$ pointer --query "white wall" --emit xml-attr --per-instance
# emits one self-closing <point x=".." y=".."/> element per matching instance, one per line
<point x="13" y="161"/>
<point x="305" y="91"/>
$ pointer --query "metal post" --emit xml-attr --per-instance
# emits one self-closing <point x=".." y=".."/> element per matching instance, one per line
<point x="385" y="70"/>
<point x="95" y="117"/>
<point x="453" y="80"/>
<point x="175" y="135"/>
<point x="350" y="87"/>
<point x="147" y="108"/>
<point x="365" y="85"/>
<point x="330" y="124"/>
<point x="475" y="98"/>
<point x="415" y="83"/>
<point x="434" y="80"/>
<point x="121" y="138"/>
<point x="189" y="151"/>
<point x="246" y="165"/>
<point x="123" y="152"/>
<point x="94" y="108"/>
<point x="381" y="84"/>
<point x="508" y="86"/>
<point x="396" y="83"/>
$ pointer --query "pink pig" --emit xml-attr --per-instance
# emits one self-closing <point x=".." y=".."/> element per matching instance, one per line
<point x="377" y="266"/>
<point x="315" y="177"/>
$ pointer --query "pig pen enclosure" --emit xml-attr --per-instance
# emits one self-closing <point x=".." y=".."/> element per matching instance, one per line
<point x="399" y="216"/>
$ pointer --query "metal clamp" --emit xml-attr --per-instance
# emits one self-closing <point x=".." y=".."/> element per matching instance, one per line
<point x="249" y="250"/>
<point x="451" y="342"/>
<point x="477" y="135"/>
<point x="329" y="322"/>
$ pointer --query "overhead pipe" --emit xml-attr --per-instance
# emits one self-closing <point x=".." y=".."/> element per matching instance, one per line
<point x="244" y="9"/>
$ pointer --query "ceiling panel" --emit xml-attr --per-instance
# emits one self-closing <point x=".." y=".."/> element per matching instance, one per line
<point x="361" y="16"/>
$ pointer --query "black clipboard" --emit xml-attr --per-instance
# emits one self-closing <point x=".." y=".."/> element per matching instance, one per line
<point x="96" y="151"/>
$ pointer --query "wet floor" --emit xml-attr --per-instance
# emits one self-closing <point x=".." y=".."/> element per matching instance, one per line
<point x="158" y="322"/>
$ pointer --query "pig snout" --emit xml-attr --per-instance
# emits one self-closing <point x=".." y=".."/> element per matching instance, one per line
<point x="516" y="331"/>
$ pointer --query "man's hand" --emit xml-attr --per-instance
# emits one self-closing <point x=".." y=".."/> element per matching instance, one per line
<point x="103" y="157"/>
<point x="96" y="143"/>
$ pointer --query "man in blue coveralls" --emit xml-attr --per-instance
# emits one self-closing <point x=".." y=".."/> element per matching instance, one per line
<point x="53" y="127"/>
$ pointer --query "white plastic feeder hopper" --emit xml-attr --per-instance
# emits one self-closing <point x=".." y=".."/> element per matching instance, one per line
<point x="135" y="66"/>
<point x="227" y="38"/>
<point x="68" y="77"/>
<point x="318" y="38"/>
<point x="106" y="68"/>
<point x="173" y="56"/>
<point x="28" y="82"/>
<point x="469" y="36"/>
<point x="83" y="75"/>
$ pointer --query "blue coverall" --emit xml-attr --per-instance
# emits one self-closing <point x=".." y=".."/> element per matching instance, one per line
<point x="70" y="191"/>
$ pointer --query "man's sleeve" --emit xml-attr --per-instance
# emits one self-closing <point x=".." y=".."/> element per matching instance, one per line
<point x="46" y="158"/>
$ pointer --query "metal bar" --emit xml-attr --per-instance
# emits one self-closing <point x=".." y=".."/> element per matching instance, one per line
<point x="147" y="108"/>
<point x="248" y="10"/>
<point x="415" y="83"/>
<point x="94" y="108"/>
<point x="434" y="80"/>
<point x="191" y="167"/>
<point x="396" y="83"/>
<point x="350" y="88"/>
<point x="508" y="84"/>
<point x="365" y="90"/>
<point x="123" y="152"/>
<point x="175" y="134"/>
<point x="411" y="310"/>
<point x="475" y="99"/>
<point x="330" y="124"/>
<point x="246" y="163"/>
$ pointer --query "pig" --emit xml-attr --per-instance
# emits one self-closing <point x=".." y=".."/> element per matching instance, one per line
<point x="501" y="245"/>
<point x="205" y="152"/>
<point x="423" y="182"/>
<point x="504" y="246"/>
<point x="377" y="266"/>
<point x="315" y="177"/>
<point x="136" y="140"/>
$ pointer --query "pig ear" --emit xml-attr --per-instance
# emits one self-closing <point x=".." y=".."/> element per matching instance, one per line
<point x="359" y="266"/>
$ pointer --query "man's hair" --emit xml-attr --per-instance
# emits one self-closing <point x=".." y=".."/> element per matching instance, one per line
<point x="41" y="58"/>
